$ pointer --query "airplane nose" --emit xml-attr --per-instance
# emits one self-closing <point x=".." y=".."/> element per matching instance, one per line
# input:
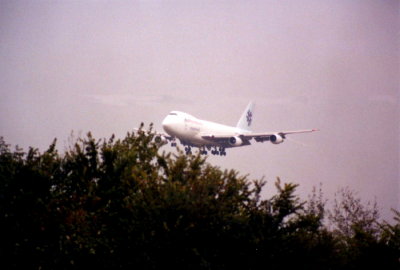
<point x="166" y="123"/>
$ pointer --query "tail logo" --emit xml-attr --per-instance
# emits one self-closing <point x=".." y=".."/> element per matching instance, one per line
<point x="249" y="117"/>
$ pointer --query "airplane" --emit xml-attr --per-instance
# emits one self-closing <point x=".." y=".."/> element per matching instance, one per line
<point x="207" y="135"/>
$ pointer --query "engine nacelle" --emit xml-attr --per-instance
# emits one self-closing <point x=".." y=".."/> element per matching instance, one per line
<point x="276" y="139"/>
<point x="159" y="139"/>
<point x="235" y="141"/>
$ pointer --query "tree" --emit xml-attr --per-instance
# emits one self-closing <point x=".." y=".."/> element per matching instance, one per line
<point x="391" y="240"/>
<point x="122" y="203"/>
<point x="358" y="233"/>
<point x="27" y="227"/>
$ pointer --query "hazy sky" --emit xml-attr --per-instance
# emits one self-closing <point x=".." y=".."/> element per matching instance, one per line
<point x="106" y="66"/>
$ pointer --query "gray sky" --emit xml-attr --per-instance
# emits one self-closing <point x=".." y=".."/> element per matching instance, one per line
<point x="107" y="66"/>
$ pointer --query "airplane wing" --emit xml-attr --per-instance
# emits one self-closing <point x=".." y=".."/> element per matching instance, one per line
<point x="267" y="136"/>
<point x="229" y="140"/>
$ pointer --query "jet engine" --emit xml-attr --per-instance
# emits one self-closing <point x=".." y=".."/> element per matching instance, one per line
<point x="235" y="141"/>
<point x="276" y="139"/>
<point x="159" y="139"/>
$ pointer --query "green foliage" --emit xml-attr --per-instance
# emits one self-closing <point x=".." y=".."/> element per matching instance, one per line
<point x="360" y="236"/>
<point x="120" y="203"/>
<point x="391" y="241"/>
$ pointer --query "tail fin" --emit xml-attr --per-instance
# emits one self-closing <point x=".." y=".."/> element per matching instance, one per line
<point x="246" y="119"/>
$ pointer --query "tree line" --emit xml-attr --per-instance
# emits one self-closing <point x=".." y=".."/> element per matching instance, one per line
<point x="121" y="204"/>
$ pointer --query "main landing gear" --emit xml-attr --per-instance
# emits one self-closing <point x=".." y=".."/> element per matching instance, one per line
<point x="220" y="151"/>
<point x="203" y="151"/>
<point x="188" y="150"/>
<point x="215" y="151"/>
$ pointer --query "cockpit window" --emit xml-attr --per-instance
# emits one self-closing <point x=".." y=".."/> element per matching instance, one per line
<point x="172" y="113"/>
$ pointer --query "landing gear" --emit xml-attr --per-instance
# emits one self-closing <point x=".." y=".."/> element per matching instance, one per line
<point x="188" y="150"/>
<point x="173" y="142"/>
<point x="203" y="150"/>
<point x="220" y="151"/>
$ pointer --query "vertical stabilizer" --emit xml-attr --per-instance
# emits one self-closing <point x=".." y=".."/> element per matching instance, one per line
<point x="246" y="119"/>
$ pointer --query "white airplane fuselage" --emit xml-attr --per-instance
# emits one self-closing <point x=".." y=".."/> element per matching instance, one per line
<point x="190" y="129"/>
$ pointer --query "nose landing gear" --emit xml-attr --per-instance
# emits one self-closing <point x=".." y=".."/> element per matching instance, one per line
<point x="173" y="142"/>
